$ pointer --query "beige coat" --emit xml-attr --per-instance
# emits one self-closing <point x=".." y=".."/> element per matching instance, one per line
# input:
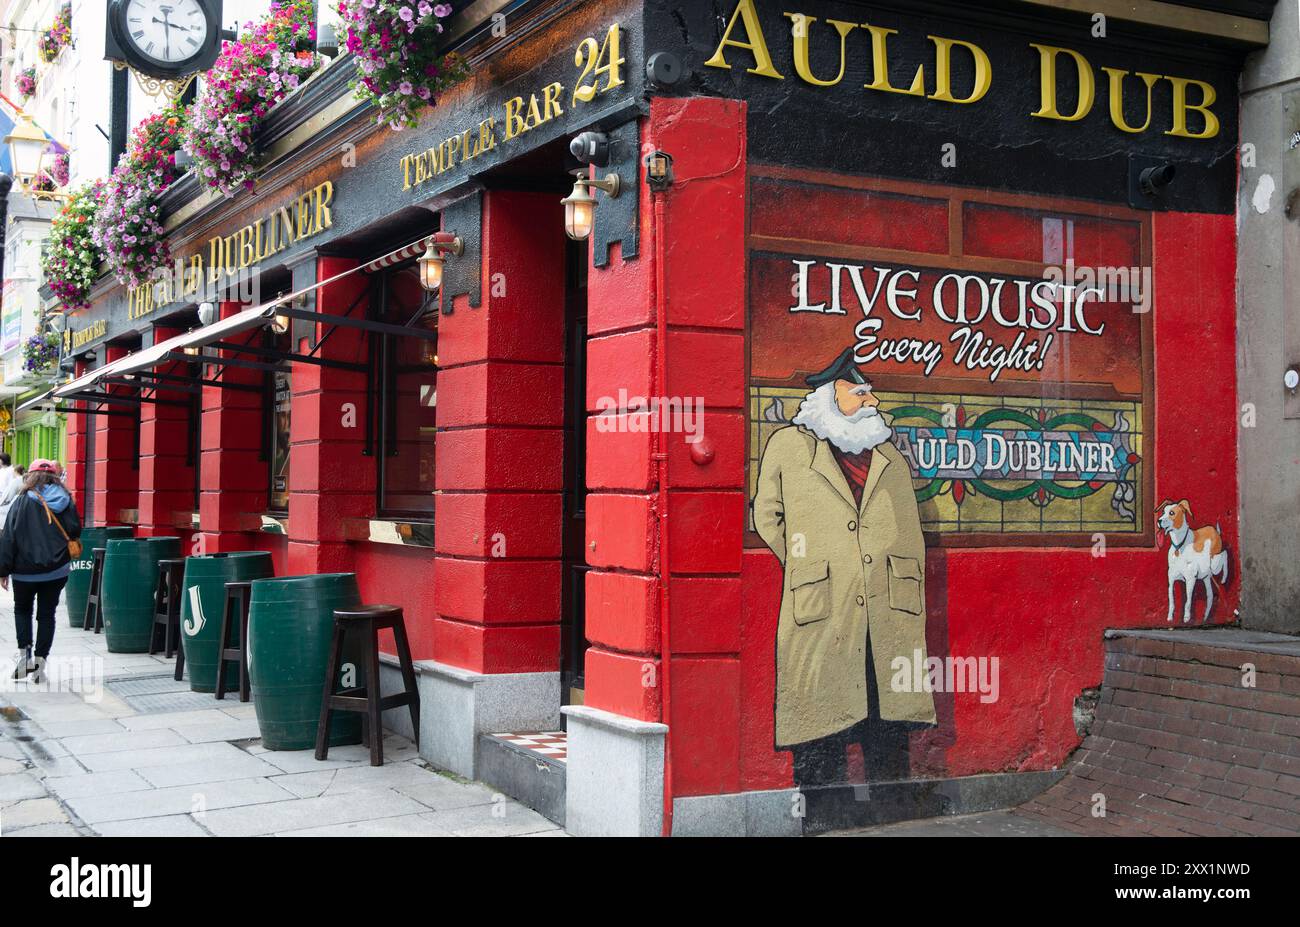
<point x="862" y="572"/>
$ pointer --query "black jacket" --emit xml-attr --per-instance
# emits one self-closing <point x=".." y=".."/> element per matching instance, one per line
<point x="29" y="544"/>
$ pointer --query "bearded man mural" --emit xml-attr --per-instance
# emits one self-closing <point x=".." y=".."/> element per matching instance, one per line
<point x="835" y="504"/>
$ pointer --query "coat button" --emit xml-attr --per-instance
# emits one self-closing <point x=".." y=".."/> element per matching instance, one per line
<point x="866" y="558"/>
<point x="853" y="526"/>
<point x="861" y="600"/>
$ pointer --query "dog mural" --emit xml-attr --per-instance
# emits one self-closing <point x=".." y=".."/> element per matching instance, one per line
<point x="1195" y="554"/>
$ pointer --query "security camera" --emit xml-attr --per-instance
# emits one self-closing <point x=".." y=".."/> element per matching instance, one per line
<point x="591" y="148"/>
<point x="1155" y="179"/>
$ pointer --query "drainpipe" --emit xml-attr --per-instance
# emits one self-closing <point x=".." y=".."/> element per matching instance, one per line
<point x="659" y="184"/>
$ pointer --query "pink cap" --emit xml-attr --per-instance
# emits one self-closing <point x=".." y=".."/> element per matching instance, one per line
<point x="43" y="466"/>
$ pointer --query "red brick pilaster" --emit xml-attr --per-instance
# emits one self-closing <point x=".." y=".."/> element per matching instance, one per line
<point x="79" y="424"/>
<point x="166" y="472"/>
<point x="331" y="480"/>
<point x="233" y="472"/>
<point x="500" y="450"/>
<point x="704" y="271"/>
<point x="116" y="464"/>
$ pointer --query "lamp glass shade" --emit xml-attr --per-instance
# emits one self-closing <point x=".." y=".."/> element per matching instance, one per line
<point x="431" y="269"/>
<point x="26" y="145"/>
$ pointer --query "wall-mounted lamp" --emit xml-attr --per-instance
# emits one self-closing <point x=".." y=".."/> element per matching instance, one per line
<point x="207" y="313"/>
<point x="432" y="261"/>
<point x="280" y="323"/>
<point x="580" y="205"/>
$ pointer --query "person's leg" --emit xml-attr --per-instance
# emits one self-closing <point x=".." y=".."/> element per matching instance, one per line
<point x="47" y="601"/>
<point x="24" y="597"/>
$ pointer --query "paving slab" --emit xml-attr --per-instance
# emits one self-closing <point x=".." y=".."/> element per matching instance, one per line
<point x="97" y="809"/>
<point x="160" y="756"/>
<point x="406" y="825"/>
<point x="135" y="741"/>
<point x="174" y="719"/>
<point x="310" y="812"/>
<point x="101" y="783"/>
<point x="56" y="829"/>
<point x="19" y="786"/>
<point x="235" y="766"/>
<point x="31" y="812"/>
<point x="172" y="825"/>
<point x="60" y="729"/>
<point x="442" y="793"/>
<point x="501" y="818"/>
<point x="228" y="729"/>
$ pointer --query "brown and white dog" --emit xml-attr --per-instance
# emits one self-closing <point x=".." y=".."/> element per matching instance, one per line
<point x="1194" y="554"/>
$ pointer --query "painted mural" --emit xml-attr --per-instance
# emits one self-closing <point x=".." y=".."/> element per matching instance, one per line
<point x="932" y="367"/>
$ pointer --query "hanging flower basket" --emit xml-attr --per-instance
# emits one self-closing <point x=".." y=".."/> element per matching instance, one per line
<point x="269" y="60"/>
<point x="40" y="352"/>
<point x="400" y="68"/>
<point x="25" y="82"/>
<point x="60" y="169"/>
<point x="128" y="227"/>
<point x="57" y="37"/>
<point x="70" y="263"/>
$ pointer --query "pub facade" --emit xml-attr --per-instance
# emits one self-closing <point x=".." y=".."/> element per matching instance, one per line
<point x="613" y="454"/>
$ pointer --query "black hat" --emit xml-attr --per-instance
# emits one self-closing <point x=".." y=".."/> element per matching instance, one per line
<point x="842" y="368"/>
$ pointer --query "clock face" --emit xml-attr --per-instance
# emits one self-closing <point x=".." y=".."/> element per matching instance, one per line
<point x="166" y="31"/>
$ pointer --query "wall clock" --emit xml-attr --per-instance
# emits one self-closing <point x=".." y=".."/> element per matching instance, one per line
<point x="165" y="42"/>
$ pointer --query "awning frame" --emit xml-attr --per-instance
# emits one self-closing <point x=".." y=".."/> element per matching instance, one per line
<point x="136" y="369"/>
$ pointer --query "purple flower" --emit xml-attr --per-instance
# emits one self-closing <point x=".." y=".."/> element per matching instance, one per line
<point x="405" y="14"/>
<point x="405" y="88"/>
<point x="442" y="10"/>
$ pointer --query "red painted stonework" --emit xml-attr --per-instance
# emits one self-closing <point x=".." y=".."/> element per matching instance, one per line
<point x="500" y="451"/>
<point x="117" y="474"/>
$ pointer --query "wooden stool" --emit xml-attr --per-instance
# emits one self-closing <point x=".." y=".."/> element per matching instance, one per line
<point x="167" y="607"/>
<point x="94" y="618"/>
<point x="235" y="615"/>
<point x="369" y="620"/>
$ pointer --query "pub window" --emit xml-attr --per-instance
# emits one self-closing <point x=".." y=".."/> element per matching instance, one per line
<point x="276" y="401"/>
<point x="407" y="370"/>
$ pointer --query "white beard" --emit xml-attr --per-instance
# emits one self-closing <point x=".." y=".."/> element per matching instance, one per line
<point x="852" y="434"/>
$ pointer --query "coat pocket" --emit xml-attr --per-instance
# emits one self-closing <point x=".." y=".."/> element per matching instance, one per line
<point x="905" y="585"/>
<point x="810" y="586"/>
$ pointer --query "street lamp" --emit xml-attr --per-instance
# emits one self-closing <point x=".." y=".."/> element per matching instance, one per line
<point x="27" y="145"/>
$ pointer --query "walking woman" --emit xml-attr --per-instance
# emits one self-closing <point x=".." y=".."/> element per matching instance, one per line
<point x="41" y="526"/>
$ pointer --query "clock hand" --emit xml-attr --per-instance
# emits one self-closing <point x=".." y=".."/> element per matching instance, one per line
<point x="171" y="25"/>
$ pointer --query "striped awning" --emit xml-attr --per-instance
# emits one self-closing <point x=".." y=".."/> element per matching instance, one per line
<point x="245" y="320"/>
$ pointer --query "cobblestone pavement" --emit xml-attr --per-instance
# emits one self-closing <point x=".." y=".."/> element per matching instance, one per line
<point x="85" y="754"/>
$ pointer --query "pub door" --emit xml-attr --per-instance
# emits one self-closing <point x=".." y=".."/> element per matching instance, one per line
<point x="573" y="634"/>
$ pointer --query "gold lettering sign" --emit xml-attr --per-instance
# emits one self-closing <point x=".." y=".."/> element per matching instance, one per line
<point x="307" y="215"/>
<point x="72" y="341"/>
<point x="600" y="65"/>
<point x="743" y="44"/>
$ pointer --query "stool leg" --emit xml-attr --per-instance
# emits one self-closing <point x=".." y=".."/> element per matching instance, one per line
<point x="180" y="661"/>
<point x="222" y="643"/>
<point x="332" y="668"/>
<point x="408" y="676"/>
<point x="243" y="647"/>
<point x="373" y="697"/>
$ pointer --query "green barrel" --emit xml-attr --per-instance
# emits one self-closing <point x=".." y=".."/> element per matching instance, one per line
<point x="130" y="576"/>
<point x="290" y="628"/>
<point x="203" y="599"/>
<point x="78" y="588"/>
